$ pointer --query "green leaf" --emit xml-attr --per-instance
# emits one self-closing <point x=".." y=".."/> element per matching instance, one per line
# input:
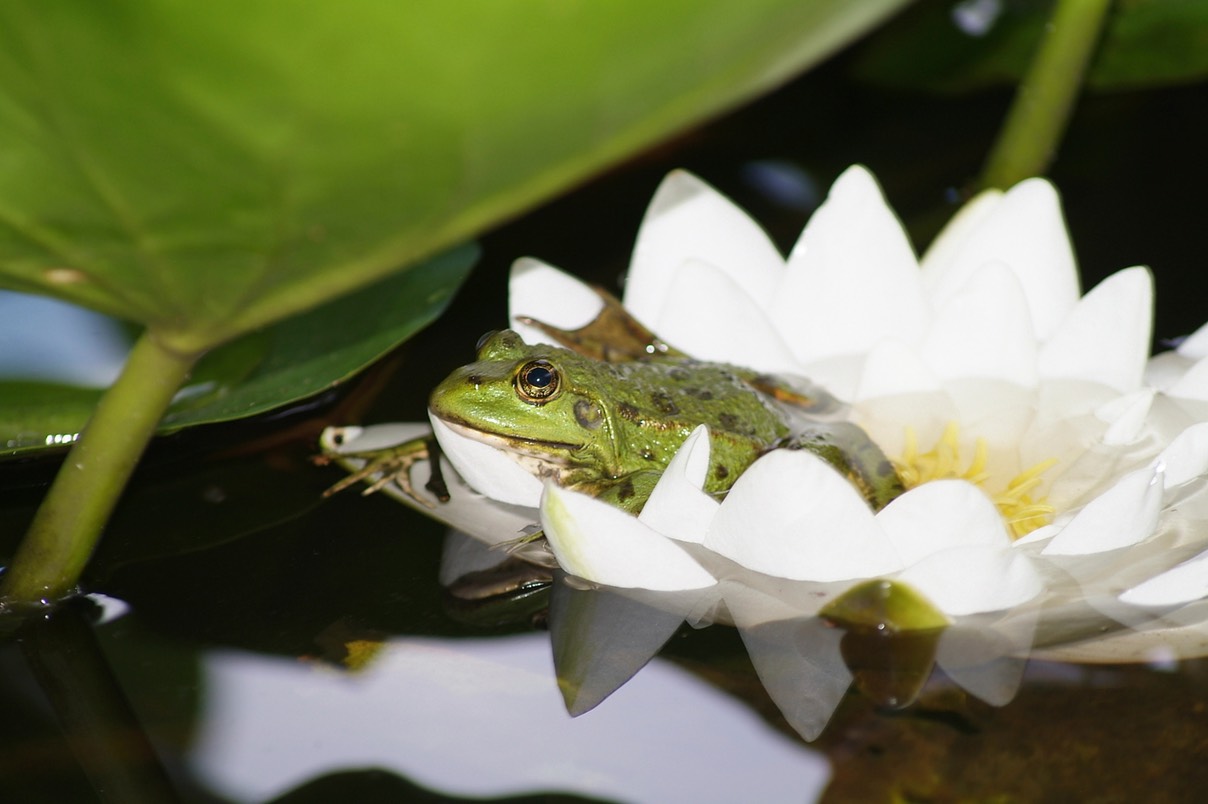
<point x="266" y="369"/>
<point x="1146" y="43"/>
<point x="207" y="168"/>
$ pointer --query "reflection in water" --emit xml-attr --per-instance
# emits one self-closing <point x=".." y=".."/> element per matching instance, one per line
<point x="46" y="339"/>
<point x="482" y="717"/>
<point x="603" y="636"/>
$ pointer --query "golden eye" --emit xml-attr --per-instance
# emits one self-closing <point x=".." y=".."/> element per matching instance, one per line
<point x="537" y="382"/>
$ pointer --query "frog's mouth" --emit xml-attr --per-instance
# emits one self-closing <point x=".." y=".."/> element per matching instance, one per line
<point x="540" y="458"/>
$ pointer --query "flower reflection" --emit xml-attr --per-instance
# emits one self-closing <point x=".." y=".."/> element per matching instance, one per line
<point x="269" y="725"/>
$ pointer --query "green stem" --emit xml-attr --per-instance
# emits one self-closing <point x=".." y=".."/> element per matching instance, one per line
<point x="70" y="519"/>
<point x="1045" y="100"/>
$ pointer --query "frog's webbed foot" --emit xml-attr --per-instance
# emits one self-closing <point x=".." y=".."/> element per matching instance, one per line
<point x="394" y="466"/>
<point x="613" y="336"/>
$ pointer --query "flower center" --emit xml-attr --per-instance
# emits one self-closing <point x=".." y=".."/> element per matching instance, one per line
<point x="1020" y="511"/>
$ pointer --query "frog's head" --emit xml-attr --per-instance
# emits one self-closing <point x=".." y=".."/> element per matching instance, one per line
<point x="541" y="403"/>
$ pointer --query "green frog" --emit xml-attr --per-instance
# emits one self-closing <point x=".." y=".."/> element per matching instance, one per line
<point x="605" y="412"/>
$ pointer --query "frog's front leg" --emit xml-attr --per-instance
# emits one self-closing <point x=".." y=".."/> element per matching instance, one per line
<point x="628" y="492"/>
<point x="849" y="449"/>
<point x="394" y="464"/>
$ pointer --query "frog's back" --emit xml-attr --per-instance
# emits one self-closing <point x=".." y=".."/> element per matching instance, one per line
<point x="659" y="403"/>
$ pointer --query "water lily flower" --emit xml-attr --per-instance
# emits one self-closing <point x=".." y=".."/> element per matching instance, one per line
<point x="1064" y="461"/>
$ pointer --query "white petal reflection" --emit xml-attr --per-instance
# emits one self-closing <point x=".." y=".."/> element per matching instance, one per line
<point x="271" y="724"/>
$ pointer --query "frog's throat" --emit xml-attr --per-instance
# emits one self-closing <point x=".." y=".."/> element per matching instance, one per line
<point x="540" y="458"/>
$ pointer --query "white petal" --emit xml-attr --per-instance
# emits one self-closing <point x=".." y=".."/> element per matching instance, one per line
<point x="984" y="330"/>
<point x="1195" y="345"/>
<point x="853" y="258"/>
<point x="972" y="579"/>
<point x="1025" y="230"/>
<point x="1106" y="337"/>
<point x="887" y="419"/>
<point x="791" y="515"/>
<point x="950" y="242"/>
<point x="1126" y="416"/>
<point x="687" y="219"/>
<point x="677" y="507"/>
<point x="711" y="318"/>
<point x="1194" y="382"/>
<point x="541" y="291"/>
<point x="941" y="515"/>
<point x="1182" y="584"/>
<point x="604" y="544"/>
<point x="1165" y="369"/>
<point x="488" y="470"/>
<point x="1186" y="457"/>
<point x="893" y="368"/>
<point x="1122" y="516"/>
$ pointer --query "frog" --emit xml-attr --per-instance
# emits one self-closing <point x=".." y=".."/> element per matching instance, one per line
<point x="603" y="409"/>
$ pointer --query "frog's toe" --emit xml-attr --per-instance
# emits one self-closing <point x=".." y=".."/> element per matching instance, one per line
<point x="514" y="545"/>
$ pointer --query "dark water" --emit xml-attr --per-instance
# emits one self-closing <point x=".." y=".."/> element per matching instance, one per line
<point x="235" y="596"/>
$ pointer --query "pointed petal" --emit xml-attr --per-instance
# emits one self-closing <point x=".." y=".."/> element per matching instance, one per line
<point x="1126" y="416"/>
<point x="541" y="291"/>
<point x="893" y="368"/>
<point x="1165" y="369"/>
<point x="687" y="219"/>
<point x="1195" y="345"/>
<point x="950" y="242"/>
<point x="1119" y="517"/>
<point x="711" y="318"/>
<point x="791" y="515"/>
<point x="973" y="579"/>
<point x="1105" y="339"/>
<point x="855" y="256"/>
<point x="605" y="545"/>
<point x="677" y="507"/>
<point x="1186" y="457"/>
<point x="1194" y="382"/>
<point x="488" y="470"/>
<point x="984" y="330"/>
<point x="1025" y="230"/>
<point x="1182" y="584"/>
<point x="941" y="515"/>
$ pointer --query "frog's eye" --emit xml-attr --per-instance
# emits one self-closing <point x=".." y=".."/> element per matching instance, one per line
<point x="537" y="382"/>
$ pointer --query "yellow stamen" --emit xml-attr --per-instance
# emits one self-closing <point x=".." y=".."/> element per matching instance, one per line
<point x="1020" y="511"/>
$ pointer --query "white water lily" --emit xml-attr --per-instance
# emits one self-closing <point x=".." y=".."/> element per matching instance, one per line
<point x="1040" y="402"/>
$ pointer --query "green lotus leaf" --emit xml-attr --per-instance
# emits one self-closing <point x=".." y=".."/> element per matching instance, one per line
<point x="265" y="369"/>
<point x="207" y="168"/>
